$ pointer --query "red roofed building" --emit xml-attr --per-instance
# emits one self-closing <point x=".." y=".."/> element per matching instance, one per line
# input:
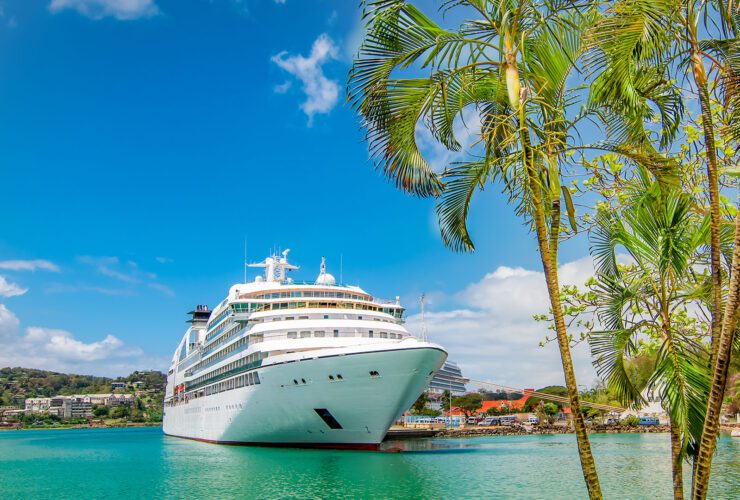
<point x="514" y="405"/>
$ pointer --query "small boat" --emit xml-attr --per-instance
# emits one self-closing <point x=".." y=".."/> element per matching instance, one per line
<point x="735" y="433"/>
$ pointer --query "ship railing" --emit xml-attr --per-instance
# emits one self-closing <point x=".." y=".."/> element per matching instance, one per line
<point x="330" y="334"/>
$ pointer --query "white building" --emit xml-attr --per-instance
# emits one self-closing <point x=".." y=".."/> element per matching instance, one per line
<point x="652" y="408"/>
<point x="37" y="405"/>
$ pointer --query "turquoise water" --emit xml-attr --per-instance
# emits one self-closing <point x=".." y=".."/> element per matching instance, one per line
<point x="142" y="463"/>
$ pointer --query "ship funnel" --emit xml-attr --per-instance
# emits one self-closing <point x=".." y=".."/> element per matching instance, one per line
<point x="199" y="315"/>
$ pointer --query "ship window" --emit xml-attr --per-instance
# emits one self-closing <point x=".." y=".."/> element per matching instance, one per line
<point x="292" y="335"/>
<point x="339" y="377"/>
<point x="305" y="334"/>
<point x="303" y="380"/>
<point x="295" y="382"/>
<point x="359" y="317"/>
<point x="370" y="334"/>
<point x="374" y="373"/>
<point x="336" y="333"/>
<point x="326" y="316"/>
<point x="288" y="318"/>
<point x="383" y="335"/>
<point x="256" y="378"/>
<point x="331" y="377"/>
<point x="320" y="333"/>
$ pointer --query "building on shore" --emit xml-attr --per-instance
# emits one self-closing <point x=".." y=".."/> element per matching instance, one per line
<point x="9" y="412"/>
<point x="77" y="406"/>
<point x="653" y="407"/>
<point x="448" y="379"/>
<point x="37" y="405"/>
<point x="507" y="405"/>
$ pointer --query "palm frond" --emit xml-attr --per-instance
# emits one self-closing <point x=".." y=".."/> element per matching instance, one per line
<point x="682" y="382"/>
<point x="461" y="182"/>
<point x="610" y="349"/>
<point x="604" y="238"/>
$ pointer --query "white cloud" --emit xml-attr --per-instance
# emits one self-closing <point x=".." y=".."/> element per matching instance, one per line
<point x="129" y="273"/>
<point x="332" y="18"/>
<point x="59" y="350"/>
<point x="492" y="335"/>
<point x="8" y="323"/>
<point x="28" y="265"/>
<point x="164" y="289"/>
<point x="282" y="88"/>
<point x="124" y="10"/>
<point x="164" y="260"/>
<point x="321" y="93"/>
<point x="9" y="289"/>
<point x="109" y="266"/>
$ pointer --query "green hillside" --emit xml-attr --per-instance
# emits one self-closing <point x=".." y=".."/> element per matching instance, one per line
<point x="17" y="384"/>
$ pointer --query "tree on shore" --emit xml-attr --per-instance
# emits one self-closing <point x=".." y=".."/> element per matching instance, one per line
<point x="701" y="37"/>
<point x="420" y="404"/>
<point x="468" y="403"/>
<point x="649" y="299"/>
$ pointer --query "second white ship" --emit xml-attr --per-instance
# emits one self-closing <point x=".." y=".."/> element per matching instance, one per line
<point x="284" y="363"/>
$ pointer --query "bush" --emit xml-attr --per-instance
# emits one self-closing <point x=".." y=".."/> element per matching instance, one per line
<point x="630" y="421"/>
<point x="120" y="412"/>
<point x="101" y="411"/>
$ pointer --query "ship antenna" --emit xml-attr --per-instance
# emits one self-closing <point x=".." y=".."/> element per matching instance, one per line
<point x="423" y="321"/>
<point x="245" y="259"/>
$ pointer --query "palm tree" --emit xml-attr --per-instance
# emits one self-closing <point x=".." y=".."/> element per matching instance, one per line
<point x="512" y="66"/>
<point x="666" y="34"/>
<point x="649" y="298"/>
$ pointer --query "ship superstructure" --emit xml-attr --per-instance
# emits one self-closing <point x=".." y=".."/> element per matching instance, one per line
<point x="281" y="362"/>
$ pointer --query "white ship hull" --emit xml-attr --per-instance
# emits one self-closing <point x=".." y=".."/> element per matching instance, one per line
<point x="278" y="412"/>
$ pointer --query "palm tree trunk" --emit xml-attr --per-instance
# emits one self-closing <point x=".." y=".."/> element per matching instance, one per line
<point x="703" y="460"/>
<point x="677" y="461"/>
<point x="700" y="78"/>
<point x="549" y="265"/>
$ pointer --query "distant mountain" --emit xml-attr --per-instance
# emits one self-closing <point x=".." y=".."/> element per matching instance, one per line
<point x="17" y="384"/>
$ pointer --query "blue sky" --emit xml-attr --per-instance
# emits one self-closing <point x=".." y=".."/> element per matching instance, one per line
<point x="142" y="140"/>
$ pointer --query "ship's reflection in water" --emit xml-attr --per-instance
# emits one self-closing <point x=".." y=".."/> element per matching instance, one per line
<point x="427" y="445"/>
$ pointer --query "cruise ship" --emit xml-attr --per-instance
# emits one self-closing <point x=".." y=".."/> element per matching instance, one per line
<point x="305" y="364"/>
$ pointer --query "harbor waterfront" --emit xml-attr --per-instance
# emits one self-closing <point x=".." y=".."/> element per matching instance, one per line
<point x="143" y="463"/>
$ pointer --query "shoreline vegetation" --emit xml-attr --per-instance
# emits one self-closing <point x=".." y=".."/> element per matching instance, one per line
<point x="120" y="425"/>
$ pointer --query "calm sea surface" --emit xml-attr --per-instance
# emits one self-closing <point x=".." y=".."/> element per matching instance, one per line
<point x="142" y="463"/>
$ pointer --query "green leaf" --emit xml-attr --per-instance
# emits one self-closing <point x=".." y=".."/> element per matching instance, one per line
<point x="570" y="208"/>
